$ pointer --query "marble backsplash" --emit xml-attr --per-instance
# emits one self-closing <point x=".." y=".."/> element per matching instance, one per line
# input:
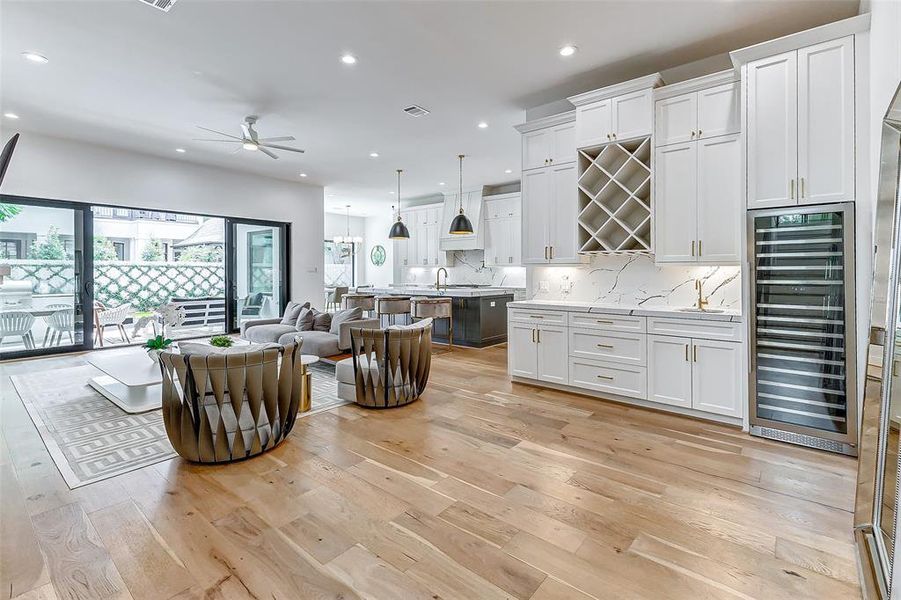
<point x="468" y="269"/>
<point x="636" y="280"/>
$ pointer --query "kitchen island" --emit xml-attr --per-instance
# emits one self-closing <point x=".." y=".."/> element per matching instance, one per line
<point x="479" y="312"/>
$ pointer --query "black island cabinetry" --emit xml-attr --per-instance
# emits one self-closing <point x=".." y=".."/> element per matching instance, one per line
<point x="478" y="321"/>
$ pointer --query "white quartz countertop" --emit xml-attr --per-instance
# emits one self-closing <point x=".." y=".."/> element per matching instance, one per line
<point x="624" y="309"/>
<point x="451" y="292"/>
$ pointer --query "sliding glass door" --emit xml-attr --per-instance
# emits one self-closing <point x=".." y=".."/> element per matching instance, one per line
<point x="45" y="295"/>
<point x="256" y="265"/>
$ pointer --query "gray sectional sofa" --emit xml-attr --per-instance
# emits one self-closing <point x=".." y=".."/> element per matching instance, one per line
<point x="324" y="334"/>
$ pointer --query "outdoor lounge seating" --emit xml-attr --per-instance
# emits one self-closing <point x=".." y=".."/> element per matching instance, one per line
<point x="17" y="324"/>
<point x="110" y="317"/>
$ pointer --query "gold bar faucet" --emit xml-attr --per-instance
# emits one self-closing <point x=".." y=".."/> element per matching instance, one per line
<point x="702" y="301"/>
<point x="438" y="279"/>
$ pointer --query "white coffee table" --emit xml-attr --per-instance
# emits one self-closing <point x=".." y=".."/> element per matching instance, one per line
<point x="132" y="382"/>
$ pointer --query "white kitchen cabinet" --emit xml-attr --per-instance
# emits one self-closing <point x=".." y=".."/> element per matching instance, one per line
<point x="422" y="249"/>
<point x="616" y="113"/>
<point x="522" y="350"/>
<point x="718" y="111"/>
<point x="553" y="358"/>
<point x="422" y="238"/>
<point x="549" y="146"/>
<point x="503" y="233"/>
<point x="716" y="376"/>
<point x="719" y="201"/>
<point x="632" y="115"/>
<point x="696" y="115"/>
<point x="669" y="370"/>
<point x="800" y="116"/>
<point x="676" y="204"/>
<point x="826" y="122"/>
<point x="495" y="242"/>
<point x="594" y="123"/>
<point x="549" y="213"/>
<point x="676" y="119"/>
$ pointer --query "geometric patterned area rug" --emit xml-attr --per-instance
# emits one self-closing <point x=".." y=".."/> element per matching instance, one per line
<point x="90" y="438"/>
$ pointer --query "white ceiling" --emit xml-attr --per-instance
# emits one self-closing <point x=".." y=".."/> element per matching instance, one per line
<point x="126" y="75"/>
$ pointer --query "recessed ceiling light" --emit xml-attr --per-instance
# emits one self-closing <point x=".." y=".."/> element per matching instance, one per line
<point x="568" y="50"/>
<point x="11" y="115"/>
<point x="35" y="57"/>
<point x="349" y="59"/>
<point x="303" y="174"/>
<point x="249" y="146"/>
<point x="392" y="193"/>
<point x="373" y="155"/>
<point x="508" y="170"/>
<point x="483" y="125"/>
<point x="440" y="183"/>
<point x="180" y="150"/>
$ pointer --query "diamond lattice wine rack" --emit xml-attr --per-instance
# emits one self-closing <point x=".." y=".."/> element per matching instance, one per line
<point x="615" y="198"/>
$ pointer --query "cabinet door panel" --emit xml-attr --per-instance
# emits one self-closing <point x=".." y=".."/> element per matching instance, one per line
<point x="676" y="119"/>
<point x="514" y="245"/>
<point x="535" y="200"/>
<point x="536" y="149"/>
<point x="772" y="131"/>
<point x="522" y="350"/>
<point x="632" y="115"/>
<point x="493" y="242"/>
<point x="431" y="234"/>
<point x="675" y="205"/>
<point x="553" y="362"/>
<point x="826" y="122"/>
<point x="669" y="370"/>
<point x="594" y="123"/>
<point x="422" y="241"/>
<point x="717" y="377"/>
<point x="718" y="111"/>
<point x="719" y="199"/>
<point x="562" y="214"/>
<point x="563" y="144"/>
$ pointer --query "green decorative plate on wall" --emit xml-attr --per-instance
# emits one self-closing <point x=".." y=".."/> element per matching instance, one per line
<point x="377" y="256"/>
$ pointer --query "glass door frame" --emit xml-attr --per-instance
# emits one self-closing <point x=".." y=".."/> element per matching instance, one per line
<point x="231" y="280"/>
<point x="83" y="262"/>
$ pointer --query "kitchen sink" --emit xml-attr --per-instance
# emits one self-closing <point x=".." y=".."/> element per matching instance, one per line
<point x="700" y="310"/>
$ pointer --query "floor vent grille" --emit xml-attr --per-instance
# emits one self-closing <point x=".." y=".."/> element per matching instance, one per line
<point x="804" y="440"/>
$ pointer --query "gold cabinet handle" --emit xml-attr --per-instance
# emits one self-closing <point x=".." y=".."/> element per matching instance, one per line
<point x="608" y="136"/>
<point x="699" y="133"/>
<point x="692" y="133"/>
<point x="552" y="253"/>
<point x="802" y="187"/>
<point x="699" y="247"/>
<point x="536" y="316"/>
<point x="604" y="322"/>
<point x="792" y="187"/>
<point x="604" y="346"/>
<point x="686" y="353"/>
<point x="607" y="377"/>
<point x="692" y="247"/>
<point x="552" y="160"/>
<point x="533" y="336"/>
<point x="894" y="368"/>
<point x="695" y="353"/>
<point x="539" y="335"/>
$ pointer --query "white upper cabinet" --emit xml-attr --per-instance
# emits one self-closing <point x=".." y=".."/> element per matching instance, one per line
<point x="676" y="205"/>
<point x="503" y="235"/>
<point x="594" y="123"/>
<point x="563" y="144"/>
<point x="772" y="131"/>
<point x="536" y="149"/>
<point x="535" y="185"/>
<point x="676" y="119"/>
<point x="632" y="115"/>
<point x="561" y="215"/>
<point x="549" y="146"/>
<point x="800" y="115"/>
<point x="826" y="122"/>
<point x="718" y="110"/>
<point x="719" y="199"/>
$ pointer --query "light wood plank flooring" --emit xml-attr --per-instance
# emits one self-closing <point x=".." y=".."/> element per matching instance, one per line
<point x="482" y="490"/>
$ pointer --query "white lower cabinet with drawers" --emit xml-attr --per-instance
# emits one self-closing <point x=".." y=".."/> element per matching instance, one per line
<point x="691" y="364"/>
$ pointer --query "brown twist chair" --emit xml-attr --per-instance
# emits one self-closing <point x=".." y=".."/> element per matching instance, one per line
<point x="221" y="408"/>
<point x="390" y="367"/>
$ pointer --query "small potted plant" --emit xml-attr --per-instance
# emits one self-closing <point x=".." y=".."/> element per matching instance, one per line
<point x="222" y="341"/>
<point x="155" y="345"/>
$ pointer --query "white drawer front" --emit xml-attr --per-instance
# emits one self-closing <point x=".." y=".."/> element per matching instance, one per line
<point x="710" y="330"/>
<point x="620" y="379"/>
<point x="609" y="322"/>
<point x="626" y="348"/>
<point x="537" y="317"/>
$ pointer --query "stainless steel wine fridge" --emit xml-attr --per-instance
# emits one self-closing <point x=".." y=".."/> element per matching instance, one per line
<point x="803" y="357"/>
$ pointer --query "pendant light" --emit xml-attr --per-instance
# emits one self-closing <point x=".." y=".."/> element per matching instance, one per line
<point x="399" y="231"/>
<point x="348" y="239"/>
<point x="461" y="224"/>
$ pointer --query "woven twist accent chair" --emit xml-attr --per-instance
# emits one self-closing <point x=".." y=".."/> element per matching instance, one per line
<point x="390" y="367"/>
<point x="221" y="408"/>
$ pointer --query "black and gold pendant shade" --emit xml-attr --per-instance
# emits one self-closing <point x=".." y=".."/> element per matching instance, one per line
<point x="399" y="230"/>
<point x="461" y="225"/>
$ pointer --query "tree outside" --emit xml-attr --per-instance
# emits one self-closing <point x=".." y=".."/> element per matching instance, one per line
<point x="49" y="248"/>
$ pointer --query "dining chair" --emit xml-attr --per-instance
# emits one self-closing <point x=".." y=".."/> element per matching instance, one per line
<point x="61" y="321"/>
<point x="333" y="300"/>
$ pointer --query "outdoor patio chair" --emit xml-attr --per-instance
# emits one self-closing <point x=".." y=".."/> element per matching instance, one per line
<point x="18" y="324"/>
<point x="62" y="321"/>
<point x="106" y="317"/>
<point x="57" y="306"/>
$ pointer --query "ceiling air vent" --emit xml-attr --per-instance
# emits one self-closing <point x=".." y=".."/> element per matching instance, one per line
<point x="416" y="111"/>
<point x="163" y="5"/>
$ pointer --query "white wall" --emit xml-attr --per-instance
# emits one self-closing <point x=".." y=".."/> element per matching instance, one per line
<point x="47" y="167"/>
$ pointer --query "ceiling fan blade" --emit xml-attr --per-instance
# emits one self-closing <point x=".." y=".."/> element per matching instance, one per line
<point x="284" y="138"/>
<point x="267" y="152"/>
<point x="228" y="135"/>
<point x="277" y="147"/>
<point x="206" y="140"/>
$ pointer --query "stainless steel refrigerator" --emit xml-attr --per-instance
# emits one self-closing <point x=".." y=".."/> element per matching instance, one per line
<point x="803" y="386"/>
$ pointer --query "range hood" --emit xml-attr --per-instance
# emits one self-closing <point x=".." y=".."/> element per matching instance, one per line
<point x="472" y="206"/>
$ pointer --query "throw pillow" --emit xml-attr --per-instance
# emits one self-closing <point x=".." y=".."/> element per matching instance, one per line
<point x="321" y="321"/>
<point x="417" y="325"/>
<point x="292" y="311"/>
<point x="348" y="314"/>
<point x="305" y="320"/>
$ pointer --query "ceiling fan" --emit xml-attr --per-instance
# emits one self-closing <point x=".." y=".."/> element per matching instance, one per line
<point x="250" y="140"/>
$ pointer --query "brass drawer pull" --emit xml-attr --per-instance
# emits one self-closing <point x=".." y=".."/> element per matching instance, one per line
<point x="605" y="377"/>
<point x="539" y="335"/>
<point x="536" y="316"/>
<point x="699" y="247"/>
<point x="692" y="247"/>
<point x="686" y="352"/>
<point x="604" y="322"/>
<point x="695" y="353"/>
<point x="604" y="346"/>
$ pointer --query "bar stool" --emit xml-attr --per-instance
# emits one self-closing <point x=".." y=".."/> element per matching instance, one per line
<point x="422" y="307"/>
<point x="391" y="306"/>
<point x="358" y="300"/>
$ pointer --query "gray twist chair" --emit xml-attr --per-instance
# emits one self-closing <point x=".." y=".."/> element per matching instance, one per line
<point x="390" y="366"/>
<point x="221" y="408"/>
<point x="17" y="323"/>
<point x="58" y="323"/>
<point x="333" y="300"/>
